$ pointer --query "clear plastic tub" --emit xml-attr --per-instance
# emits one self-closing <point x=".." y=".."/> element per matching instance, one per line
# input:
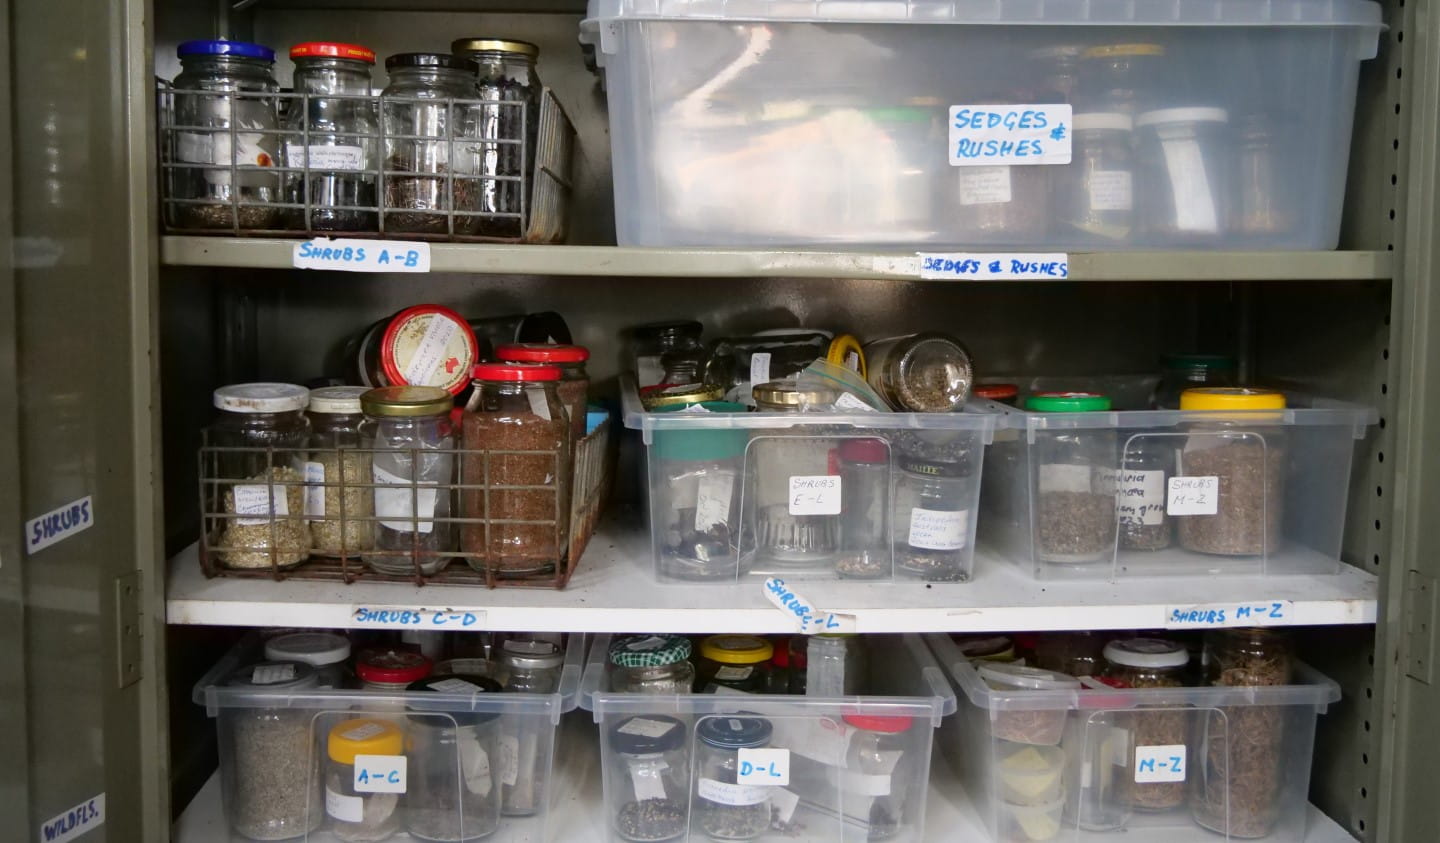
<point x="1301" y="492"/>
<point x="838" y="113"/>
<point x="273" y="737"/>
<point x="858" y="766"/>
<point x="930" y="537"/>
<point x="1262" y="793"/>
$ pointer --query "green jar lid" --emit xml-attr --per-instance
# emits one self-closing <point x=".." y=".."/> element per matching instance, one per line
<point x="1067" y="402"/>
<point x="702" y="445"/>
<point x="649" y="650"/>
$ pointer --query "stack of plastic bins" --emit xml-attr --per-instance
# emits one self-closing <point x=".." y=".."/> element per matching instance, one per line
<point x="692" y="766"/>
<point x="1124" y="493"/>
<point x="448" y="763"/>
<point x="1251" y="784"/>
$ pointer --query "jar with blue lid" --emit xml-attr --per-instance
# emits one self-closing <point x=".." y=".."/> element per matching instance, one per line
<point x="725" y="809"/>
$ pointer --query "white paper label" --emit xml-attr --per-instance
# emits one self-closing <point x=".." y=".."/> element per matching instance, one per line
<point x="538" y="405"/>
<point x="645" y="727"/>
<point x="425" y="367"/>
<point x="346" y="809"/>
<point x="713" y="495"/>
<point x="454" y="686"/>
<point x="342" y="255"/>
<point x="933" y="529"/>
<point x="1194" y="197"/>
<point x="1219" y="615"/>
<point x="255" y="500"/>
<point x="985" y="186"/>
<point x="509" y="746"/>
<point x="1110" y="190"/>
<point x="403" y="502"/>
<point x="315" y="494"/>
<point x="784" y="803"/>
<point x="214" y="148"/>
<point x="1160" y="763"/>
<point x="861" y="784"/>
<point x="994" y="266"/>
<point x="731" y="794"/>
<point x="852" y="361"/>
<point x="1193" y="496"/>
<point x="194" y="148"/>
<point x="759" y="368"/>
<point x="815" y="495"/>
<point x="364" y="731"/>
<point x="1063" y="477"/>
<point x="1009" y="134"/>
<point x="812" y="620"/>
<point x="269" y="674"/>
<point x="824" y="740"/>
<point x="380" y="773"/>
<point x="734" y="673"/>
<point x="646" y="776"/>
<point x="765" y="767"/>
<point x="404" y="617"/>
<point x="1140" y="497"/>
<point x="475" y="767"/>
<point x="58" y="524"/>
<point x="68" y="825"/>
<point x="847" y="401"/>
<point x="325" y="157"/>
<point x="648" y="371"/>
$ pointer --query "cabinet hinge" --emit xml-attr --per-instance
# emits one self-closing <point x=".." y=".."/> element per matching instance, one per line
<point x="1419" y="624"/>
<point x="127" y="629"/>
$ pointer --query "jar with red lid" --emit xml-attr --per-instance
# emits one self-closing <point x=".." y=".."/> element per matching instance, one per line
<point x="390" y="670"/>
<point x="424" y="345"/>
<point x="881" y="768"/>
<point x="515" y="471"/>
<point x="1003" y="393"/>
<point x="574" y="385"/>
<point x="330" y="141"/>
<point x="865" y="551"/>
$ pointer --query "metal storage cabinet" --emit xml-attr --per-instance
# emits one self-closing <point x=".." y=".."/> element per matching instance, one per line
<point x="114" y="336"/>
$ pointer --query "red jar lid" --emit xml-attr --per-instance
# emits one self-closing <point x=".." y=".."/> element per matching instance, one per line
<point x="539" y="352"/>
<point x="391" y="666"/>
<point x="332" y="50"/>
<point x="514" y="372"/>
<point x="997" y="391"/>
<point x="890" y="725"/>
<point x="865" y="450"/>
<point x="428" y="345"/>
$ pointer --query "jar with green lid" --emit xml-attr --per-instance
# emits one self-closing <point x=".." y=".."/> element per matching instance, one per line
<point x="336" y="501"/>
<point x="651" y="664"/>
<point x="797" y="498"/>
<point x="1150" y="663"/>
<point x="695" y="483"/>
<point x="1073" y="491"/>
<point x="1179" y="372"/>
<point x="736" y="662"/>
<point x="920" y="373"/>
<point x="412" y="440"/>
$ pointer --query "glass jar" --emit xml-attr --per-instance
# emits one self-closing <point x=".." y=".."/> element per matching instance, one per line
<point x="834" y="665"/>
<point x="1182" y="175"/>
<point x="336" y="501"/>
<point x="223" y="85"/>
<point x="390" y="671"/>
<point x="920" y="373"/>
<point x="1265" y="181"/>
<point x="650" y="342"/>
<point x="1147" y="461"/>
<point x="865" y="552"/>
<point x="1245" y="452"/>
<point x="695" y="500"/>
<point x="651" y="664"/>
<point x="259" y="491"/>
<point x="509" y="122"/>
<point x="1000" y="204"/>
<point x="516" y="531"/>
<point x="1126" y="78"/>
<point x="1150" y="663"/>
<point x="791" y="532"/>
<point x="430" y="121"/>
<point x="1093" y="194"/>
<point x="786" y="672"/>
<point x="527" y="666"/>
<point x="648" y="779"/>
<point x="1241" y="749"/>
<point x="326" y="652"/>
<point x="1179" y="372"/>
<point x="359" y="815"/>
<point x="331" y="138"/>
<point x="574" y="385"/>
<point x="530" y="665"/>
<point x="880" y="770"/>
<point x="1057" y="72"/>
<point x="1074" y="483"/>
<point x="724" y="808"/>
<point x="269" y="773"/>
<point x="1072" y="653"/>
<point x="413" y="466"/>
<point x="458" y="763"/>
<point x="933" y="517"/>
<point x="736" y="662"/>
<point x="740" y="363"/>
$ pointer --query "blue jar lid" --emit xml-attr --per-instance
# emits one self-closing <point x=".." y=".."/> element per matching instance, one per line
<point x="730" y="732"/>
<point x="240" y="49"/>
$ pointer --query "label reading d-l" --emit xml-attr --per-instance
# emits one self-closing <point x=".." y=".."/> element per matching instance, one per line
<point x="58" y="525"/>
<point x="75" y="822"/>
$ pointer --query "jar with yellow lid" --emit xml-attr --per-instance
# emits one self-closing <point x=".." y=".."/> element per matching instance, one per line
<point x="1124" y="77"/>
<point x="412" y="443"/>
<point x="797" y="497"/>
<point x="509" y="91"/>
<point x="846" y="351"/>
<point x="1232" y="470"/>
<point x="736" y="662"/>
<point x="356" y="812"/>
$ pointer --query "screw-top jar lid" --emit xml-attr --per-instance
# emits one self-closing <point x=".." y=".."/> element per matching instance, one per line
<point x="870" y="450"/>
<point x="1102" y="120"/>
<point x="701" y="445"/>
<point x="452" y="684"/>
<point x="931" y="468"/>
<point x="406" y="401"/>
<point x="1231" y="398"/>
<point x="649" y="650"/>
<point x="892" y="724"/>
<point x="1197" y="114"/>
<point x="647" y="734"/>
<point x="1147" y="652"/>
<point x="532" y="653"/>
<point x="1025" y="678"/>
<point x="428" y="345"/>
<point x="1067" y="402"/>
<point x="1110" y="51"/>
<point x="539" y="352"/>
<point x="332" y="50"/>
<point x="315" y="648"/>
<point x="657" y="398"/>
<point x="392" y="667"/>
<point x="364" y="736"/>
<point x="736" y="649"/>
<point x="521" y="372"/>
<point x="731" y="732"/>
<point x="275" y="674"/>
<point x="996" y="391"/>
<point x="437" y="60"/>
<point x="487" y="45"/>
<point x="788" y="394"/>
<point x="238" y="49"/>
<point x="986" y="647"/>
<point x="262" y="398"/>
<point x="337" y="400"/>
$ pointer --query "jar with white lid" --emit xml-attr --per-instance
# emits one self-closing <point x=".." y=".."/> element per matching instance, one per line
<point x="647" y="778"/>
<point x="412" y="439"/>
<point x="1150" y="663"/>
<point x="1182" y="175"/>
<point x="337" y="503"/>
<point x="1040" y="727"/>
<point x="1073" y="482"/>
<point x="1094" y="193"/>
<point x="269" y="770"/>
<point x="324" y="651"/>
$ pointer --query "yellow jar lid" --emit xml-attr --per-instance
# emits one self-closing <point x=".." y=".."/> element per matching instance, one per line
<point x="845" y="351"/>
<point x="407" y="401"/>
<point x="1231" y="398"/>
<point x="364" y="737"/>
<point x="736" y="649"/>
<point x="681" y="395"/>
<point x="1121" y="50"/>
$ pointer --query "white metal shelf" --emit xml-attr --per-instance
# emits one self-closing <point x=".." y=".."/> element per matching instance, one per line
<point x="505" y="259"/>
<point x="613" y="591"/>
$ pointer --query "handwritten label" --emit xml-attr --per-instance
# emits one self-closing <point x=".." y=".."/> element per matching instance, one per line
<point x="815" y="495"/>
<point x="344" y="255"/>
<point x="396" y="617"/>
<point x="724" y="793"/>
<point x="269" y="674"/>
<point x="1160" y="763"/>
<point x="1111" y="190"/>
<point x="994" y="266"/>
<point x="713" y="495"/>
<point x="380" y="773"/>
<point x="1248" y="613"/>
<point x="1009" y="134"/>
<point x="68" y="825"/>
<point x="427" y="366"/>
<point x="404" y="502"/>
<point x="811" y="619"/>
<point x="1193" y="496"/>
<point x="933" y="529"/>
<point x="847" y="401"/>
<point x="1190" y="185"/>
<point x="760" y="367"/>
<point x="647" y="778"/>
<point x="985" y="186"/>
<point x="784" y="802"/>
<point x="645" y="727"/>
<point x="455" y="686"/>
<point x="58" y="524"/>
<point x="1140" y="498"/>
<point x="1063" y="477"/>
<point x="324" y="157"/>
<point x="509" y="749"/>
<point x="349" y="809"/>
<point x="734" y="672"/>
<point x="315" y="492"/>
<point x="255" y="501"/>
<point x="765" y="767"/>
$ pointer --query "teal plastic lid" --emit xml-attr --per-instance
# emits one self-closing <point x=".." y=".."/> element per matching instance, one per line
<point x="1067" y="402"/>
<point x="702" y="445"/>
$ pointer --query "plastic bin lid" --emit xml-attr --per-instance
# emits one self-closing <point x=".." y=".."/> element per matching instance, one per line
<point x="736" y="649"/>
<point x="275" y="675"/>
<point x="314" y="648"/>
<point x="262" y="398"/>
<point x="1022" y="677"/>
<point x="1147" y="652"/>
<point x="646" y="734"/>
<point x="452" y="684"/>
<point x="734" y="732"/>
<point x="701" y="445"/>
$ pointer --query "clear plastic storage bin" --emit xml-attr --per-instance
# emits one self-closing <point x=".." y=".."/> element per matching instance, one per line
<point x="928" y="534"/>
<point x="1244" y="491"/>
<point x="1244" y="755"/>
<point x="839" y="118"/>
<point x="284" y="775"/>
<point x="680" y="767"/>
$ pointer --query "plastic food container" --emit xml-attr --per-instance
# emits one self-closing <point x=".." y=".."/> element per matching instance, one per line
<point x="858" y="765"/>
<point x="1100" y="754"/>
<point x="1292" y="522"/>
<point x="844" y="118"/>
<point x="1042" y="728"/>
